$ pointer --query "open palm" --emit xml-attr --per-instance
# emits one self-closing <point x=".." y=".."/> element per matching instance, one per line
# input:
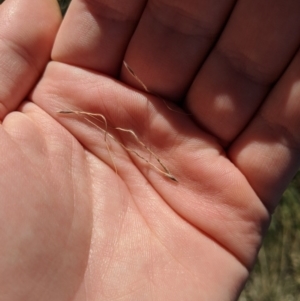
<point x="86" y="209"/>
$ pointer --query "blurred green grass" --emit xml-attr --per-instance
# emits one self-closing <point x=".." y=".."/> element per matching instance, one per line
<point x="64" y="5"/>
<point x="276" y="275"/>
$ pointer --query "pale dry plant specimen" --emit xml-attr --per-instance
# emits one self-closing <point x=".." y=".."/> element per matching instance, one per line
<point x="94" y="118"/>
<point x="132" y="73"/>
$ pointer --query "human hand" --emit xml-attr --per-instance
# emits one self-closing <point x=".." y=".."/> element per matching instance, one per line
<point x="87" y="220"/>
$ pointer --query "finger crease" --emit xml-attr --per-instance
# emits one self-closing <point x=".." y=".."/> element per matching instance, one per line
<point x="246" y="67"/>
<point x="109" y="12"/>
<point x="22" y="52"/>
<point x="181" y="21"/>
<point x="283" y="134"/>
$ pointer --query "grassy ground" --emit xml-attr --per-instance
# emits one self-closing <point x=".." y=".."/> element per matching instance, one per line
<point x="276" y="275"/>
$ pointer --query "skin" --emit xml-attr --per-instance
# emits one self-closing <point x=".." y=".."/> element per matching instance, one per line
<point x="74" y="229"/>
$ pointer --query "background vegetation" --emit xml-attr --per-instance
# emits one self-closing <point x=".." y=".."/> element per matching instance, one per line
<point x="64" y="5"/>
<point x="276" y="275"/>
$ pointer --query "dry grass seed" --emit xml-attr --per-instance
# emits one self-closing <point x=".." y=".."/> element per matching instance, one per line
<point x="100" y="117"/>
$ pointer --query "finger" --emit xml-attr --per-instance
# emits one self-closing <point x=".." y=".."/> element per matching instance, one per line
<point x="171" y="41"/>
<point x="95" y="33"/>
<point x="268" y="151"/>
<point x="256" y="46"/>
<point x="27" y="31"/>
